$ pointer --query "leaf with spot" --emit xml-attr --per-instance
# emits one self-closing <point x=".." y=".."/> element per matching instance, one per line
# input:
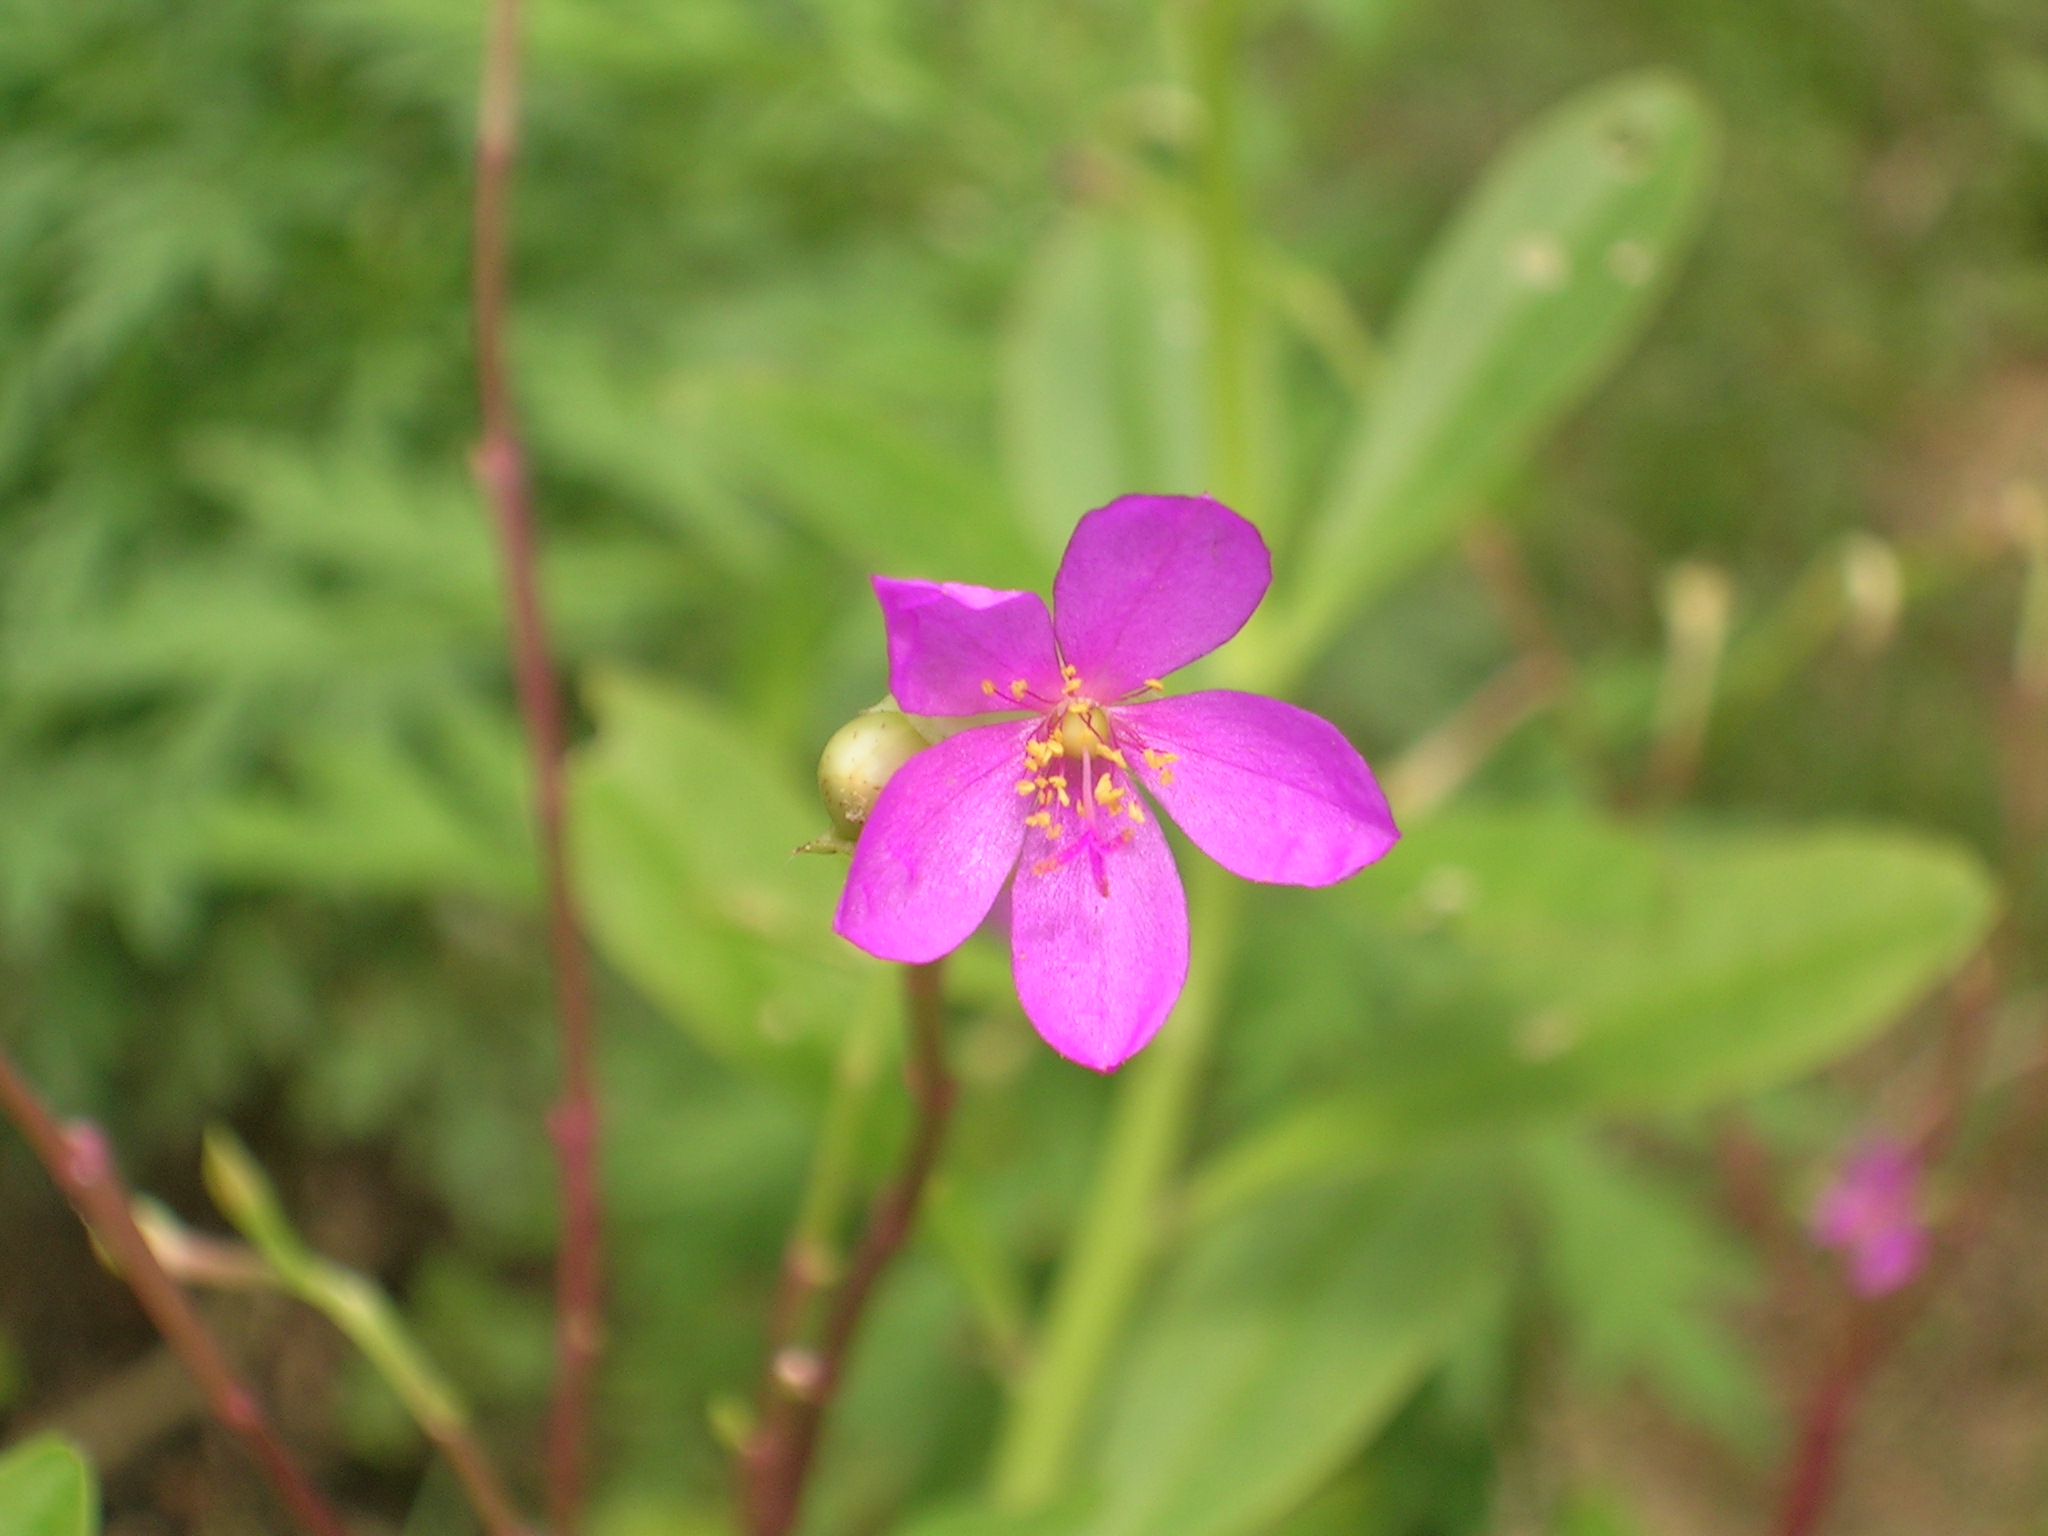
<point x="1540" y="285"/>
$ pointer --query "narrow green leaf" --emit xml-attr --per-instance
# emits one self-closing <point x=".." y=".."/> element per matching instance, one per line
<point x="1507" y="967"/>
<point x="1637" y="1273"/>
<point x="1281" y="1342"/>
<point x="1540" y="285"/>
<point x="1101" y="386"/>
<point x="47" y="1489"/>
<point x="885" y="497"/>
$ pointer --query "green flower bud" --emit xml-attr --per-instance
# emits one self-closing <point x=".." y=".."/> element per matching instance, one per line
<point x="862" y="756"/>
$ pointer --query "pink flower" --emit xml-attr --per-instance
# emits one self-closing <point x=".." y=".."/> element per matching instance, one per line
<point x="1872" y="1211"/>
<point x="1098" y="921"/>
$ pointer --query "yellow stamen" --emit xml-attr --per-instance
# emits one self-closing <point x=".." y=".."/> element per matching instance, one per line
<point x="988" y="687"/>
<point x="1018" y="689"/>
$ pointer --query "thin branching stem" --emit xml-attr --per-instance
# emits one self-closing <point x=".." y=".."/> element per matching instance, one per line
<point x="800" y="1384"/>
<point x="81" y="1164"/>
<point x="501" y="466"/>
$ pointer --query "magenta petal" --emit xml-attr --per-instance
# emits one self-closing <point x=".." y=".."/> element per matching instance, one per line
<point x="1097" y="975"/>
<point x="1268" y="791"/>
<point x="1887" y="1260"/>
<point x="956" y="649"/>
<point x="1149" y="583"/>
<point x="938" y="847"/>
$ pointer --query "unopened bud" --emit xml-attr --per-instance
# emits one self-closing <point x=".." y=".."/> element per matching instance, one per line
<point x="859" y="760"/>
<point x="1874" y="589"/>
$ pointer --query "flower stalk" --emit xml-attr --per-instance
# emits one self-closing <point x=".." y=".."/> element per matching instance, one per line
<point x="800" y="1382"/>
<point x="1117" y="1239"/>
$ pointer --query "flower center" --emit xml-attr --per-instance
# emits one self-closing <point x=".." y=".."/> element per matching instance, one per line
<point x="1077" y="777"/>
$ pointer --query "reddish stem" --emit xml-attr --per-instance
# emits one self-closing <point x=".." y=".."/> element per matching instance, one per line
<point x="1876" y="1327"/>
<point x="1825" y="1424"/>
<point x="501" y="466"/>
<point x="800" y="1384"/>
<point x="81" y="1164"/>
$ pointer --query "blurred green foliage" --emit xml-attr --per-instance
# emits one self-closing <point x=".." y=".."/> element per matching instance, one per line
<point x="47" y="1489"/>
<point x="813" y="288"/>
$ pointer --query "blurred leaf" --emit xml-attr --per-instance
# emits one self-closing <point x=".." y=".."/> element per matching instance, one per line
<point x="1539" y="286"/>
<point x="1101" y="384"/>
<point x="885" y="498"/>
<point x="1638" y="1272"/>
<point x="651" y="439"/>
<point x="47" y="1489"/>
<point x="1064" y="1518"/>
<point x="1282" y="1341"/>
<point x="368" y="805"/>
<point x="684" y="835"/>
<point x="1509" y="966"/>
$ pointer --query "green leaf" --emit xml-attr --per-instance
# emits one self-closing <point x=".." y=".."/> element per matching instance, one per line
<point x="47" y="1489"/>
<point x="887" y="499"/>
<point x="1507" y="967"/>
<point x="1637" y="1270"/>
<point x="1540" y="285"/>
<point x="1064" y="1518"/>
<point x="685" y="829"/>
<point x="1101" y="385"/>
<point x="1281" y="1342"/>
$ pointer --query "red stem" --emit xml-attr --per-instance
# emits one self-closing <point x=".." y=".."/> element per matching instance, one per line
<point x="1825" y="1425"/>
<point x="501" y="466"/>
<point x="799" y="1386"/>
<point x="81" y="1164"/>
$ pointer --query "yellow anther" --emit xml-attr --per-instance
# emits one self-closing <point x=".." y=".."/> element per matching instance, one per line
<point x="1068" y="669"/>
<point x="1040" y="819"/>
<point x="1136" y="812"/>
<point x="1027" y="786"/>
<point x="1158" y="760"/>
<point x="1153" y="685"/>
<point x="1166" y="777"/>
<point x="1019" y="688"/>
<point x="1052" y="832"/>
<point x="988" y="687"/>
<point x="1071" y="686"/>
<point x="1113" y="755"/>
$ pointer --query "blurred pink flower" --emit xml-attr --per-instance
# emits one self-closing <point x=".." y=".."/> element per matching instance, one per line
<point x="1098" y="920"/>
<point x="1871" y="1211"/>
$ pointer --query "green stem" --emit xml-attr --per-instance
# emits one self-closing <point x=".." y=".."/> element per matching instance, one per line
<point x="1214" y="29"/>
<point x="1114" y="1245"/>
<point x="811" y="1259"/>
<point x="1117" y="1239"/>
<point x="361" y="1311"/>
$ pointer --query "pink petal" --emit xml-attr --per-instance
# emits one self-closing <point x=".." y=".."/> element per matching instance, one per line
<point x="1097" y="974"/>
<point x="938" y="847"/>
<point x="1885" y="1261"/>
<point x="1268" y="791"/>
<point x="956" y="649"/>
<point x="1150" y="583"/>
